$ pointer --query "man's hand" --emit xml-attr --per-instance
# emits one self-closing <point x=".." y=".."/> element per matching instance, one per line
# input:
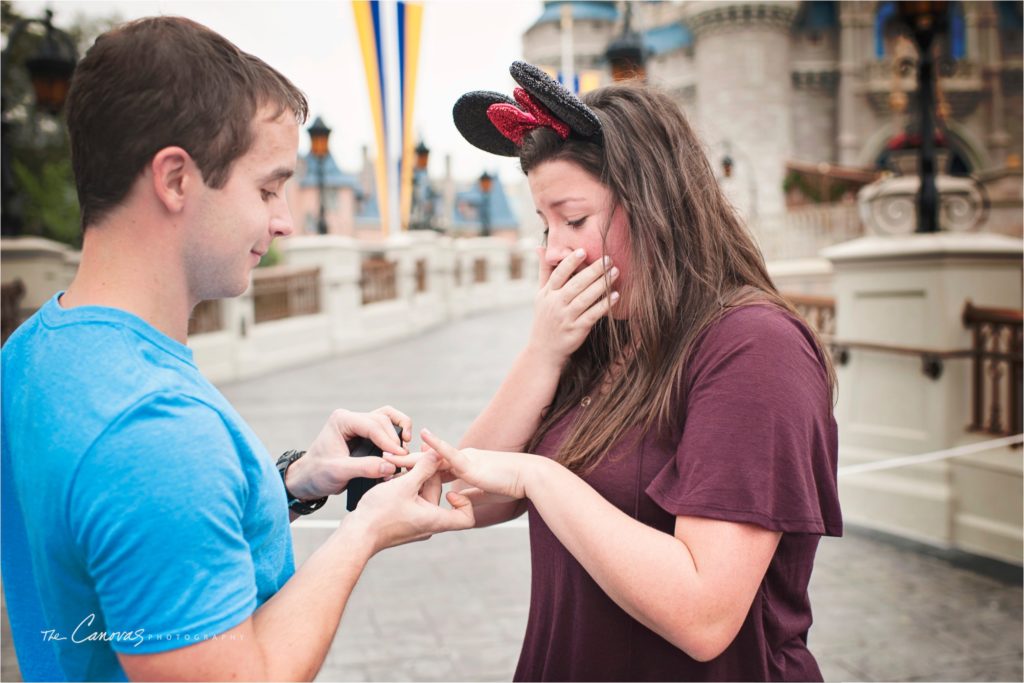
<point x="326" y="468"/>
<point x="407" y="508"/>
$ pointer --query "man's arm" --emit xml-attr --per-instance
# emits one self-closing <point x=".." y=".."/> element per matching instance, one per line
<point x="287" y="638"/>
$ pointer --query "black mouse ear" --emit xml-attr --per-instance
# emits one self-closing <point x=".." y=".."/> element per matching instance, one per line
<point x="563" y="104"/>
<point x="470" y="114"/>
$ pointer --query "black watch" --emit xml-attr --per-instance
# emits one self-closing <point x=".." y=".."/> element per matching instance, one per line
<point x="299" y="507"/>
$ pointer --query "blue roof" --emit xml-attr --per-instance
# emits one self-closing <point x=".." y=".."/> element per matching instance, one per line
<point x="334" y="177"/>
<point x="501" y="212"/>
<point x="367" y="210"/>
<point x="667" y="38"/>
<point x="818" y="15"/>
<point x="582" y="10"/>
<point x="1009" y="15"/>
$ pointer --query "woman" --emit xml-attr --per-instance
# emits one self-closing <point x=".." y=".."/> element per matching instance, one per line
<point x="679" y="409"/>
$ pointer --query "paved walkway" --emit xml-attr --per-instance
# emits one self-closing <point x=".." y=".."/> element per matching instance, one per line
<point x="454" y="608"/>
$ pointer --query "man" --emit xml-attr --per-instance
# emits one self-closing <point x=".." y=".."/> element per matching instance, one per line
<point x="145" y="527"/>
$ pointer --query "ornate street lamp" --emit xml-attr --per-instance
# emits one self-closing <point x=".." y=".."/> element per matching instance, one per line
<point x="626" y="54"/>
<point x="727" y="164"/>
<point x="486" y="182"/>
<point x="422" y="156"/>
<point x="421" y="215"/>
<point x="318" y="134"/>
<point x="50" y="70"/>
<point x="926" y="19"/>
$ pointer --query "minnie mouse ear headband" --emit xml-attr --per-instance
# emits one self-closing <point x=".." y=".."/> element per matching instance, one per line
<point x="497" y="124"/>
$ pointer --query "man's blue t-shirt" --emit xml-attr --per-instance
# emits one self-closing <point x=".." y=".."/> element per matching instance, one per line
<point x="153" y="516"/>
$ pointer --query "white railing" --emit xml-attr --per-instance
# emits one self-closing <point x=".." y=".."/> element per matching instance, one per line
<point x="369" y="293"/>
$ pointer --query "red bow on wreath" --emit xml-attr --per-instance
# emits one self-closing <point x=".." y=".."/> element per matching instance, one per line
<point x="514" y="123"/>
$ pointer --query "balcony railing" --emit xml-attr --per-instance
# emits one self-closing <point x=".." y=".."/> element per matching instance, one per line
<point x="818" y="311"/>
<point x="996" y="369"/>
<point x="480" y="270"/>
<point x="281" y="292"/>
<point x="379" y="281"/>
<point x="515" y="267"/>
<point x="421" y="275"/>
<point x="206" y="317"/>
<point x="12" y="294"/>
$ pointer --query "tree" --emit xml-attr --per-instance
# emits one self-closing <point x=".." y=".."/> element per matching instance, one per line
<point x="39" y="146"/>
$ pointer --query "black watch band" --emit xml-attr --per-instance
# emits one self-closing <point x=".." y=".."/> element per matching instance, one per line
<point x="299" y="507"/>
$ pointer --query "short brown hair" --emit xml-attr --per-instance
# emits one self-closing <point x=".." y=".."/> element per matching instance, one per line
<point x="160" y="82"/>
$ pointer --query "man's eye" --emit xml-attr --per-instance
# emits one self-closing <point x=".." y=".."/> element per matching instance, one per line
<point x="576" y="223"/>
<point x="544" y="237"/>
<point x="267" y="195"/>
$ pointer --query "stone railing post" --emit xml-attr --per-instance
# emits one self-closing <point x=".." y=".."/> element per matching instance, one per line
<point x="904" y="387"/>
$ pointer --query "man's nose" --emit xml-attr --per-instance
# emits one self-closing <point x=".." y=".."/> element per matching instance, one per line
<point x="281" y="224"/>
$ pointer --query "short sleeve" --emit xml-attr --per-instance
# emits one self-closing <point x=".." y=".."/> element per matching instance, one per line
<point x="759" y="442"/>
<point x="156" y="509"/>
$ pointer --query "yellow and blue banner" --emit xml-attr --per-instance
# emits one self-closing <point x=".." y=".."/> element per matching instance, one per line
<point x="369" y="29"/>
<point x="377" y="33"/>
<point x="410" y="25"/>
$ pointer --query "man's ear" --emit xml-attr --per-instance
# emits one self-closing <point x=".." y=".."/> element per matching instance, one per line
<point x="174" y="175"/>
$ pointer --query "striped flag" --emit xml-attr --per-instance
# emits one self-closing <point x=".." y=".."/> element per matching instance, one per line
<point x="389" y="38"/>
<point x="410" y="24"/>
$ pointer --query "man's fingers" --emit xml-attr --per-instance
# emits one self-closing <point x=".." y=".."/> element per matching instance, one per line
<point x="382" y="434"/>
<point x="462" y="515"/>
<point x="431" y="491"/>
<point x="423" y="470"/>
<point x="410" y="460"/>
<point x="370" y="467"/>
<point x="397" y="417"/>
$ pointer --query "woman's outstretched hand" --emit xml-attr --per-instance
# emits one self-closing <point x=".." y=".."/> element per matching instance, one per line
<point x="569" y="303"/>
<point x="496" y="476"/>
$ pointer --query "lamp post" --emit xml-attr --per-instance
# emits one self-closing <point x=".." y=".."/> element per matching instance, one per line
<point x="486" y="182"/>
<point x="318" y="134"/>
<point x="626" y="54"/>
<point x="925" y="19"/>
<point x="422" y="213"/>
<point x="50" y="70"/>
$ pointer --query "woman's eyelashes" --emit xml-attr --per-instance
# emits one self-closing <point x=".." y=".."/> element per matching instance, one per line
<point x="576" y="224"/>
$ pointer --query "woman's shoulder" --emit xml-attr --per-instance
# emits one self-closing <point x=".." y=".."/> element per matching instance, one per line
<point x="760" y="322"/>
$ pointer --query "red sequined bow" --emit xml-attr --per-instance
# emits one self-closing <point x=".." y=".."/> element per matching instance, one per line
<point x="514" y="123"/>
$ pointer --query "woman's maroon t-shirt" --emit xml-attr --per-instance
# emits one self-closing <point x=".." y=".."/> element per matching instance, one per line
<point x="756" y="442"/>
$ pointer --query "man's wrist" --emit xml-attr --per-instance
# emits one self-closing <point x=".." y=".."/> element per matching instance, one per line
<point x="296" y="481"/>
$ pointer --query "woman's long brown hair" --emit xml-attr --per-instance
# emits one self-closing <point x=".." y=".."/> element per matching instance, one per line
<point x="692" y="258"/>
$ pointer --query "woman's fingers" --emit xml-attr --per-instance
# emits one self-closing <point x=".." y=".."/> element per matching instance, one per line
<point x="456" y="459"/>
<point x="544" y="272"/>
<point x="598" y="310"/>
<point x="593" y="293"/>
<point x="579" y="282"/>
<point x="480" y="497"/>
<point x="564" y="270"/>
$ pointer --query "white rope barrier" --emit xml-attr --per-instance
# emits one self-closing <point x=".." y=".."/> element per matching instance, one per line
<point x="893" y="463"/>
